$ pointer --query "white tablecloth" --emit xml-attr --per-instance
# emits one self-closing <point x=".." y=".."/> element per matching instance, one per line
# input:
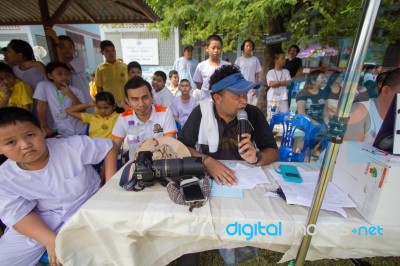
<point x="117" y="227"/>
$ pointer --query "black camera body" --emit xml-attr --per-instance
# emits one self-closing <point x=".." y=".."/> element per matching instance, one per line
<point x="147" y="171"/>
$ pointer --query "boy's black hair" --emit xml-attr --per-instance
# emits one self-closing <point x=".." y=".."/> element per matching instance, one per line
<point x="223" y="72"/>
<point x="392" y="78"/>
<point x="23" y="47"/>
<point x="172" y="72"/>
<point x="137" y="82"/>
<point x="295" y="47"/>
<point x="160" y="74"/>
<point x="213" y="37"/>
<point x="53" y="65"/>
<point x="106" y="97"/>
<point x="184" y="80"/>
<point x="66" y="38"/>
<point x="244" y="43"/>
<point x="134" y="64"/>
<point x="105" y="43"/>
<point x="13" y="115"/>
<point x="4" y="68"/>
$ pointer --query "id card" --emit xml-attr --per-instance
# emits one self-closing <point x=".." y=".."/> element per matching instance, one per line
<point x="62" y="115"/>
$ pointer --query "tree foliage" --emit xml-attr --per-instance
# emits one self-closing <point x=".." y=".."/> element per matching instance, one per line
<point x="308" y="20"/>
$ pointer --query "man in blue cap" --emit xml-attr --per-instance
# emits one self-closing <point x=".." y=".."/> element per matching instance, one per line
<point x="214" y="127"/>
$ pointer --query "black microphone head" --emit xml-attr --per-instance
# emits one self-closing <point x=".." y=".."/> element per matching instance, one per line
<point x="242" y="115"/>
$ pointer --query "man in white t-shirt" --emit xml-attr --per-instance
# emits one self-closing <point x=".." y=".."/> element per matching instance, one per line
<point x="162" y="95"/>
<point x="277" y="80"/>
<point x="186" y="65"/>
<point x="153" y="120"/>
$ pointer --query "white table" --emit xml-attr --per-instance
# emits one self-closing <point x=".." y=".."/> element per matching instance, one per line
<point x="117" y="227"/>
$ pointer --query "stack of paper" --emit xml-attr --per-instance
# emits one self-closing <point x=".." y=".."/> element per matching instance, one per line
<point x="302" y="193"/>
<point x="248" y="178"/>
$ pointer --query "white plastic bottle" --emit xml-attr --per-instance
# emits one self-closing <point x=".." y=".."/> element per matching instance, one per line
<point x="132" y="135"/>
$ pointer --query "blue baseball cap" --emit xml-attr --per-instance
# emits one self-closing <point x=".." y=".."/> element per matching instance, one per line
<point x="235" y="83"/>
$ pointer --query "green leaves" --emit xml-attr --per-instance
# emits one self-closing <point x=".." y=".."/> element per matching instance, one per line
<point x="308" y="20"/>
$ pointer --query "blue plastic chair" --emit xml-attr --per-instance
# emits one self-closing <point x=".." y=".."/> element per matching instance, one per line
<point x="290" y="123"/>
<point x="179" y="128"/>
<point x="45" y="258"/>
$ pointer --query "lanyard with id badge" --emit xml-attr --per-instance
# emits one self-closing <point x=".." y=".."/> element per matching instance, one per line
<point x="60" y="98"/>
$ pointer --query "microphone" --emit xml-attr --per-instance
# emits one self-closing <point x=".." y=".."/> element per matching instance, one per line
<point x="242" y="118"/>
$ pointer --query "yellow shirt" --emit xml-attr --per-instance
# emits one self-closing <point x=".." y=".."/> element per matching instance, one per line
<point x="92" y="89"/>
<point x="100" y="127"/>
<point x="21" y="94"/>
<point x="112" y="78"/>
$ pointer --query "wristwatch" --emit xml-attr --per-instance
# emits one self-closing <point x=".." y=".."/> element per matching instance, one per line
<point x="259" y="157"/>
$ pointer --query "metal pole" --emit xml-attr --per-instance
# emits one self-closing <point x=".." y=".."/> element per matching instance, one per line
<point x="353" y="73"/>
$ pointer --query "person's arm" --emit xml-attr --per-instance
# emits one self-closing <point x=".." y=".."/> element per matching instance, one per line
<point x="68" y="92"/>
<point x="197" y="78"/>
<point x="53" y="35"/>
<point x="6" y="97"/>
<point x="277" y="83"/>
<point x="42" y="109"/>
<point x="34" y="227"/>
<point x="112" y="158"/>
<point x="30" y="64"/>
<point x="301" y="107"/>
<point x="110" y="161"/>
<point x="358" y="123"/>
<point x="170" y="125"/>
<point x="76" y="110"/>
<point x="257" y="76"/>
<point x="216" y="169"/>
<point x="325" y="113"/>
<point x="249" y="152"/>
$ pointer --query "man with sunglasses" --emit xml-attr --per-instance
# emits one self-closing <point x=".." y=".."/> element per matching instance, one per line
<point x="366" y="118"/>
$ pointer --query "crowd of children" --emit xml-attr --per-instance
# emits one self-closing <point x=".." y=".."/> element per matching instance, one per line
<point x="40" y="101"/>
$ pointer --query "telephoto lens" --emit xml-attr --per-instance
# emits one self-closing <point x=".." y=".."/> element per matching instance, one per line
<point x="178" y="168"/>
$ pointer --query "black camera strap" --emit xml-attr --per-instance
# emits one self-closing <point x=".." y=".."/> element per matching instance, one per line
<point x="129" y="183"/>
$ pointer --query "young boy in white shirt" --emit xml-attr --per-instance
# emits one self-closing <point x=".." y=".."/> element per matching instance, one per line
<point x="162" y="95"/>
<point x="42" y="184"/>
<point x="182" y="106"/>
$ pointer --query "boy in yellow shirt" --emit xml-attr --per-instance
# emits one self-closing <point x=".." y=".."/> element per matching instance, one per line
<point x="111" y="75"/>
<point x="14" y="92"/>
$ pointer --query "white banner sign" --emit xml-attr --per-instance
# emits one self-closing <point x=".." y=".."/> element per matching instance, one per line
<point x="144" y="51"/>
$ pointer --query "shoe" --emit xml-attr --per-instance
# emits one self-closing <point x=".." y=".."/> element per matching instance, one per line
<point x="359" y="262"/>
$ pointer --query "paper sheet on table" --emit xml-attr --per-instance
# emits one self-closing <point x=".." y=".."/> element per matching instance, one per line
<point x="302" y="193"/>
<point x="225" y="191"/>
<point x="249" y="177"/>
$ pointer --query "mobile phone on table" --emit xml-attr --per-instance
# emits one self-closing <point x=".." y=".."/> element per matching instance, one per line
<point x="290" y="173"/>
<point x="191" y="189"/>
